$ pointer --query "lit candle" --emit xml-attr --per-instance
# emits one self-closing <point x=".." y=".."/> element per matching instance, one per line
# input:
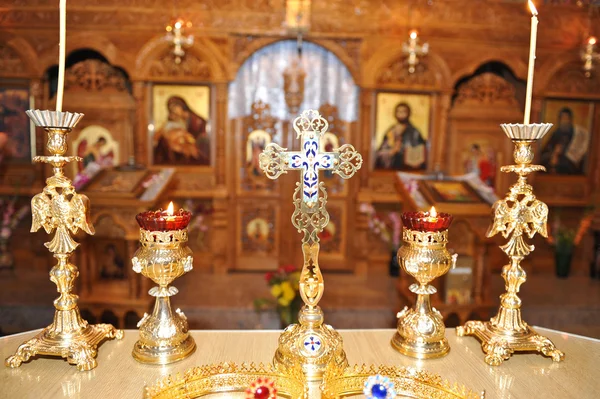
<point x="170" y="216"/>
<point x="532" y="44"/>
<point x="61" y="55"/>
<point x="427" y="221"/>
<point x="164" y="220"/>
<point x="432" y="218"/>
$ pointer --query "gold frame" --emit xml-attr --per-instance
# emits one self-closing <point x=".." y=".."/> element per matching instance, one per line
<point x="226" y="377"/>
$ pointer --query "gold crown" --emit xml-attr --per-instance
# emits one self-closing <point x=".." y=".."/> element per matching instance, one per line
<point x="227" y="377"/>
<point x="291" y="383"/>
<point x="407" y="382"/>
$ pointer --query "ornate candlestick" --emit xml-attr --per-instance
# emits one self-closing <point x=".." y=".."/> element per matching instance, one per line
<point x="311" y="344"/>
<point x="421" y="331"/>
<point x="59" y="208"/>
<point x="519" y="214"/>
<point x="163" y="256"/>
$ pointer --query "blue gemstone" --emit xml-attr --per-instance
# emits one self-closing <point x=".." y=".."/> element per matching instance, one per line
<point x="379" y="391"/>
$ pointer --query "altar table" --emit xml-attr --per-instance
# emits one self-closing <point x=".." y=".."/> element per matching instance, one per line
<point x="118" y="375"/>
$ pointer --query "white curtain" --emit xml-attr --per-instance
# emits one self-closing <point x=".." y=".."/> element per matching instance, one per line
<point x="261" y="78"/>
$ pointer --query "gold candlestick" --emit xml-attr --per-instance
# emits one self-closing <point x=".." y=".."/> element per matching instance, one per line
<point x="59" y="208"/>
<point x="311" y="344"/>
<point x="519" y="213"/>
<point x="421" y="330"/>
<point x="164" y="335"/>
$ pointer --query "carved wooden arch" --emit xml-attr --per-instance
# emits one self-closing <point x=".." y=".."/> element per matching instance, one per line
<point x="203" y="61"/>
<point x="116" y="220"/>
<point x="517" y="66"/>
<point x="95" y="42"/>
<point x="247" y="46"/>
<point x="486" y="89"/>
<point x="386" y="68"/>
<point x="18" y="59"/>
<point x="563" y="76"/>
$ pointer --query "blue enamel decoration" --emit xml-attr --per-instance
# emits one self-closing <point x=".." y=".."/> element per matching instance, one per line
<point x="379" y="387"/>
<point x="310" y="160"/>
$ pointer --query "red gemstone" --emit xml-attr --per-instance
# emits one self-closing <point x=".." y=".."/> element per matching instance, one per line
<point x="262" y="392"/>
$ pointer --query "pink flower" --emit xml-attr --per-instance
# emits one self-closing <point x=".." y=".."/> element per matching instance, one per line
<point x="5" y="232"/>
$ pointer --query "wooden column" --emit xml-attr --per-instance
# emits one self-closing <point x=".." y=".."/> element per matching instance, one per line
<point x="134" y="278"/>
<point x="223" y="169"/>
<point x="222" y="244"/>
<point x="363" y="142"/>
<point x="140" y="127"/>
<point x="441" y="128"/>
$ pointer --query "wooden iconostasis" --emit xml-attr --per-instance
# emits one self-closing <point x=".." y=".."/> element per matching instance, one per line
<point x="239" y="87"/>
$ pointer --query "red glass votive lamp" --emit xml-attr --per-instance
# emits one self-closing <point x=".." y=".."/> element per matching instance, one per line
<point x="164" y="220"/>
<point x="427" y="221"/>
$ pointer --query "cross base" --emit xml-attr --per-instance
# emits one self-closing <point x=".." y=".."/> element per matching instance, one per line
<point x="313" y="345"/>
<point x="499" y="345"/>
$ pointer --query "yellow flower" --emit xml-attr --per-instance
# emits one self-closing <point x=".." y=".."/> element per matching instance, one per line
<point x="276" y="290"/>
<point x="287" y="291"/>
<point x="295" y="280"/>
<point x="283" y="301"/>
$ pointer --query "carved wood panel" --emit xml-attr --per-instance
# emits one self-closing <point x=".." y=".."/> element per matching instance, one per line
<point x="258" y="129"/>
<point x="258" y="233"/>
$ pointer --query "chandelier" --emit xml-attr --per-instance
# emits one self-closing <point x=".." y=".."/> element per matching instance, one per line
<point x="589" y="55"/>
<point x="176" y="36"/>
<point x="413" y="50"/>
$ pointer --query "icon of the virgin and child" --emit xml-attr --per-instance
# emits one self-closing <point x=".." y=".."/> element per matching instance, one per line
<point x="403" y="146"/>
<point x="182" y="139"/>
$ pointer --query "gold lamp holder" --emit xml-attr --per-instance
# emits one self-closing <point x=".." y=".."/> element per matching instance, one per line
<point x="61" y="210"/>
<point x="310" y="344"/>
<point x="421" y="331"/>
<point x="164" y="335"/>
<point x="518" y="215"/>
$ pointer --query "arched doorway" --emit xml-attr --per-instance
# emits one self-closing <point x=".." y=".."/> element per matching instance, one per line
<point x="270" y="90"/>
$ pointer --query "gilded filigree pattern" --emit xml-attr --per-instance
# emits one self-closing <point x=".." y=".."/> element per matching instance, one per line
<point x="226" y="377"/>
<point x="517" y="215"/>
<point x="408" y="382"/>
<point x="62" y="211"/>
<point x="310" y="217"/>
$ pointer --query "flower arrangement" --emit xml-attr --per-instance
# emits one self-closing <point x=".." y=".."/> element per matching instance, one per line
<point x="286" y="299"/>
<point x="200" y="212"/>
<point x="565" y="240"/>
<point x="387" y="228"/>
<point x="10" y="217"/>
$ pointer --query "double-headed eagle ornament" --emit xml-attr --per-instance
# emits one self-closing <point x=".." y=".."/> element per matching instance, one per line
<point x="60" y="207"/>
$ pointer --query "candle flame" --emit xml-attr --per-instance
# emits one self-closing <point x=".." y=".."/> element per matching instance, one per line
<point x="592" y="40"/>
<point x="532" y="8"/>
<point x="170" y="209"/>
<point x="413" y="34"/>
<point x="432" y="212"/>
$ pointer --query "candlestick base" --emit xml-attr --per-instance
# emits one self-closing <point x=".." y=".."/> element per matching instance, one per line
<point x="421" y="332"/>
<point x="164" y="336"/>
<point x="70" y="337"/>
<point x="499" y="345"/>
<point x="311" y="344"/>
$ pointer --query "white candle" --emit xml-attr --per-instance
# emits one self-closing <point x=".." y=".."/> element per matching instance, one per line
<point x="532" y="44"/>
<point x="61" y="55"/>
